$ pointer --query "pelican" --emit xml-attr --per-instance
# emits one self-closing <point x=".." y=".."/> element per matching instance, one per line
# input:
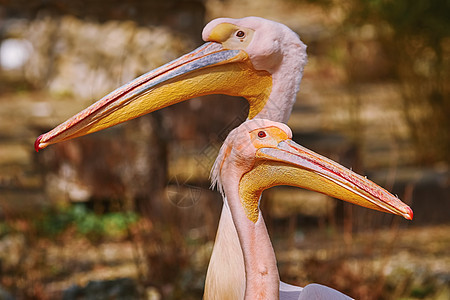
<point x="252" y="57"/>
<point x="257" y="155"/>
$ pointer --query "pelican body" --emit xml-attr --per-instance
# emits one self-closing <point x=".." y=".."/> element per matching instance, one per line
<point x="258" y="155"/>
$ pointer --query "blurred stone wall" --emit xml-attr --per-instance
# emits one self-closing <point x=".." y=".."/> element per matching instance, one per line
<point x="86" y="48"/>
<point x="88" y="59"/>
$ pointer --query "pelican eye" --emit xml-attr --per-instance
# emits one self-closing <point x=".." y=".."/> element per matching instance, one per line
<point x="262" y="134"/>
<point x="240" y="34"/>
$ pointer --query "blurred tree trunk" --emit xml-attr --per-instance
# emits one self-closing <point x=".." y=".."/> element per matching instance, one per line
<point x="150" y="196"/>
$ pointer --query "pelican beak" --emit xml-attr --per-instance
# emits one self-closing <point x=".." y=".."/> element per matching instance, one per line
<point x="292" y="164"/>
<point x="209" y="69"/>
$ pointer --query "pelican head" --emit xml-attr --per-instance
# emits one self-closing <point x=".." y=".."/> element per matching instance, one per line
<point x="261" y="154"/>
<point x="258" y="155"/>
<point x="254" y="58"/>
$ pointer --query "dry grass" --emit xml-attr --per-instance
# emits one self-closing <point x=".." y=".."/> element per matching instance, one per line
<point x="384" y="264"/>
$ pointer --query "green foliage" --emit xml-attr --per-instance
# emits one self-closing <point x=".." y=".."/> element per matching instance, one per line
<point x="422" y="291"/>
<point x="422" y="17"/>
<point x="421" y="23"/>
<point x="5" y="228"/>
<point x="414" y="36"/>
<point x="86" y="222"/>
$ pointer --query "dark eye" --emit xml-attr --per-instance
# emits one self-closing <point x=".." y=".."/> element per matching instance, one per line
<point x="240" y="34"/>
<point x="262" y="134"/>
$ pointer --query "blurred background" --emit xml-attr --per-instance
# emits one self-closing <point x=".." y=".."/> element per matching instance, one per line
<point x="127" y="213"/>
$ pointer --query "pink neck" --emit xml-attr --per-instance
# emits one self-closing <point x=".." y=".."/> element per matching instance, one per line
<point x="262" y="279"/>
<point x="286" y="80"/>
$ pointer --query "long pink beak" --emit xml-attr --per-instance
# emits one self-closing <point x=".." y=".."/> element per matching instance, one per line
<point x="208" y="69"/>
<point x="304" y="168"/>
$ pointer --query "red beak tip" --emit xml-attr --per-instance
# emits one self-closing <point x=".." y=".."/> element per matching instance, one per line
<point x="410" y="214"/>
<point x="37" y="142"/>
